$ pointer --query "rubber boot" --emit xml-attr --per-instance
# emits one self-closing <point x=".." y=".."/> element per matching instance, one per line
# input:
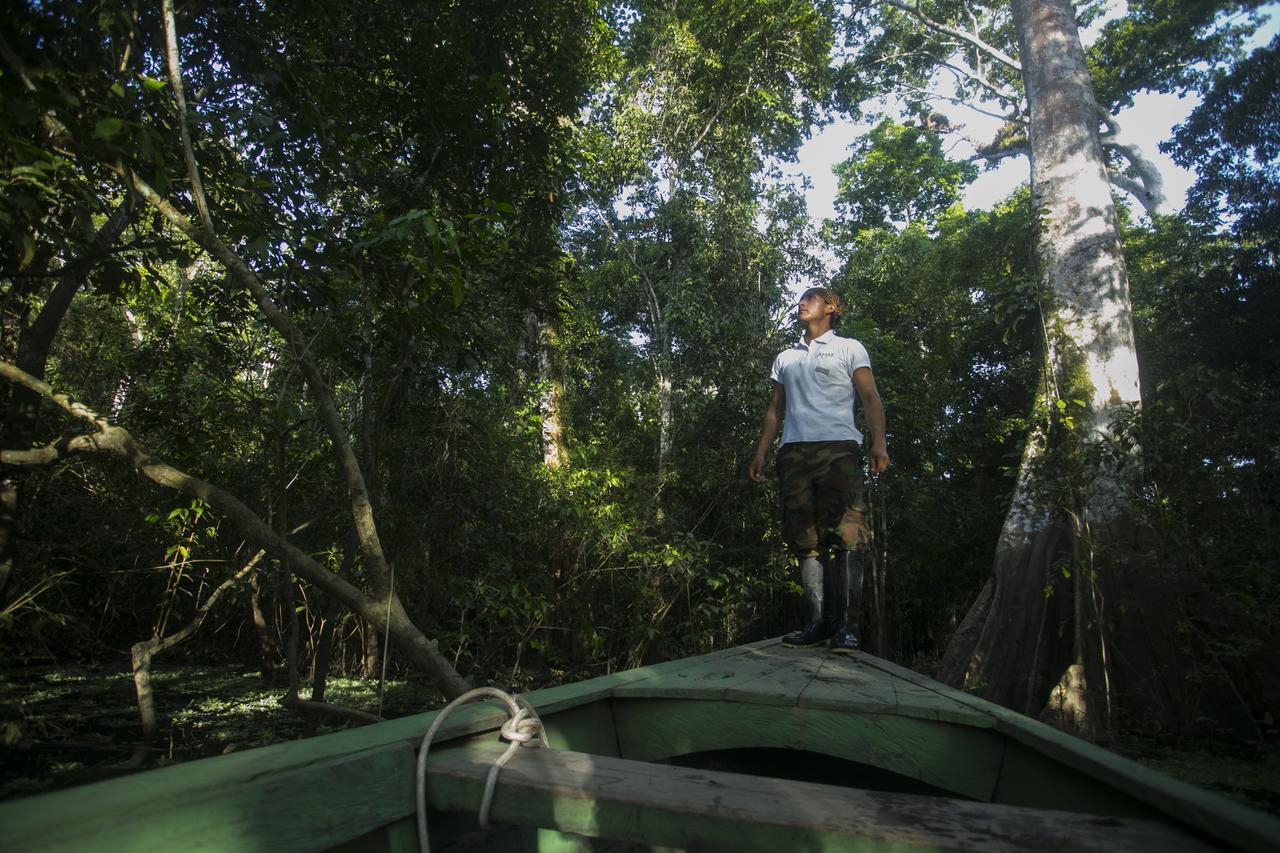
<point x="814" y="631"/>
<point x="828" y="596"/>
<point x="847" y="587"/>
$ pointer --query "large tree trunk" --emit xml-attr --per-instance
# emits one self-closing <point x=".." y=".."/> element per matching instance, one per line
<point x="661" y="343"/>
<point x="1070" y="584"/>
<point x="555" y="455"/>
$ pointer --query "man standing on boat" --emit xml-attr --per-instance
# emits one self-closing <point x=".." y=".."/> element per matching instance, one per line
<point x="820" y="466"/>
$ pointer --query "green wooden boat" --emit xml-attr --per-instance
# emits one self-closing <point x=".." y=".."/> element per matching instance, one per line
<point x="757" y="747"/>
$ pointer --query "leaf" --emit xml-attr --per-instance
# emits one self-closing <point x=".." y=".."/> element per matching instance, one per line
<point x="108" y="128"/>
<point x="153" y="84"/>
<point x="28" y="251"/>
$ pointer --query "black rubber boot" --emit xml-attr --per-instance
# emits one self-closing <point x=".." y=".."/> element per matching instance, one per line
<point x="847" y="587"/>
<point x="815" y="630"/>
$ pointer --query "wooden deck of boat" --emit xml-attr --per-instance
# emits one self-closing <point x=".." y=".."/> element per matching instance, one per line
<point x="768" y="673"/>
<point x="356" y="787"/>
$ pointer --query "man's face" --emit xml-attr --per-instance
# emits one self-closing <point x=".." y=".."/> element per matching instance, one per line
<point x="812" y="307"/>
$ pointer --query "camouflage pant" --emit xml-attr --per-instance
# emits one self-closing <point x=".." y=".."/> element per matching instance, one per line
<point x="822" y="505"/>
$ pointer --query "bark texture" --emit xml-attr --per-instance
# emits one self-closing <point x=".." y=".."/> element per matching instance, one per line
<point x="1072" y="625"/>
<point x="555" y="454"/>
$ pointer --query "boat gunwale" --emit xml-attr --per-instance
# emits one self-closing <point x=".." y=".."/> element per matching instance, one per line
<point x="110" y="805"/>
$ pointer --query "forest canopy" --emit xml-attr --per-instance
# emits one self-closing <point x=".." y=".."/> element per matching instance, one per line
<point x="437" y="335"/>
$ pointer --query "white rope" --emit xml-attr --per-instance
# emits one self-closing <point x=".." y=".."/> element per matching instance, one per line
<point x="524" y="728"/>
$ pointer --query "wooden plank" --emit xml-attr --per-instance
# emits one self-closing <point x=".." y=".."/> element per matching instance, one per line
<point x="920" y="701"/>
<point x="706" y="676"/>
<point x="958" y="759"/>
<point x="319" y="806"/>
<point x="399" y="836"/>
<point x="1218" y="816"/>
<point x="783" y="676"/>
<point x="586" y="728"/>
<point x="657" y="804"/>
<point x="840" y="687"/>
<point x="1029" y="778"/>
<point x="832" y="682"/>
<point x="777" y="675"/>
<point x="115" y="805"/>
<point x="402" y="835"/>
<point x="762" y="676"/>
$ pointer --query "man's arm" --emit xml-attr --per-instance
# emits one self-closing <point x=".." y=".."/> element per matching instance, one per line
<point x="878" y="454"/>
<point x="768" y="431"/>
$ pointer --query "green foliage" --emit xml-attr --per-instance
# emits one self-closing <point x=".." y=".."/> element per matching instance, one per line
<point x="1208" y="431"/>
<point x="897" y="175"/>
<point x="889" y="50"/>
<point x="486" y="217"/>
<point x="1167" y="46"/>
<point x="952" y="324"/>
<point x="1233" y="141"/>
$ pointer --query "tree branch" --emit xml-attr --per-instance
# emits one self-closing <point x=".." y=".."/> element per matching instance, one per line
<point x="361" y="507"/>
<point x="1000" y="92"/>
<point x="950" y="99"/>
<point x="970" y="39"/>
<point x="1151" y="192"/>
<point x="10" y="56"/>
<point x="1002" y="154"/>
<point x="362" y="510"/>
<point x="174" y="64"/>
<point x="50" y="453"/>
<point x="116" y="440"/>
<point x="1132" y="187"/>
<point x="48" y="121"/>
<point x="197" y="619"/>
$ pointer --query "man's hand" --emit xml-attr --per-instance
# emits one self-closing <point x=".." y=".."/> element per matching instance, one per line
<point x="768" y="431"/>
<point x="878" y="456"/>
<point x="865" y="383"/>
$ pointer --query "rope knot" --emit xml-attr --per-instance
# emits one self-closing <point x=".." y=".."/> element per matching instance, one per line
<point x="523" y="729"/>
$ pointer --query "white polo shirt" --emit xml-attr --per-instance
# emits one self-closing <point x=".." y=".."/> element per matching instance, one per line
<point x="818" y="380"/>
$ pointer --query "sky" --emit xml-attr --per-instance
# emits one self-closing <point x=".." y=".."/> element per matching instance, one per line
<point x="1149" y="122"/>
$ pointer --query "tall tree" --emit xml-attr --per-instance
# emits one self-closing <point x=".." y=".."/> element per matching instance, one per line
<point x="1069" y="509"/>
<point x="359" y="201"/>
<point x="932" y="51"/>
<point x="706" y="92"/>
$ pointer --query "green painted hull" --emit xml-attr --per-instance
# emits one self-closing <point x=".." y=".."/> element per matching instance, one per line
<point x="686" y="754"/>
